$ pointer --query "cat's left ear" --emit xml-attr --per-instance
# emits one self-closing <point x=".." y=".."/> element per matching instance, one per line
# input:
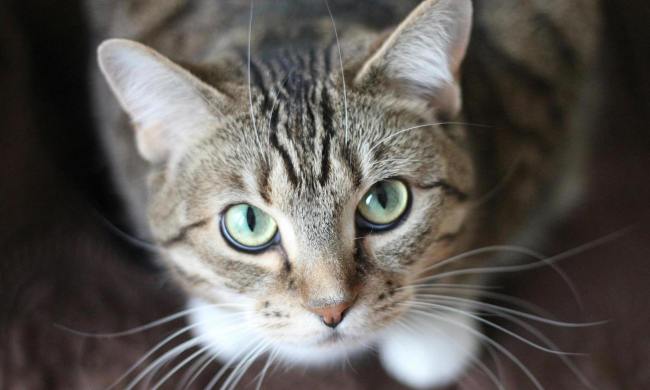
<point x="421" y="59"/>
<point x="169" y="107"/>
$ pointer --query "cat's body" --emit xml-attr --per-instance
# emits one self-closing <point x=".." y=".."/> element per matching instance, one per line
<point x="292" y="136"/>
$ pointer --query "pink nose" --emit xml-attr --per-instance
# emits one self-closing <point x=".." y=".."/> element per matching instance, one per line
<point x="331" y="315"/>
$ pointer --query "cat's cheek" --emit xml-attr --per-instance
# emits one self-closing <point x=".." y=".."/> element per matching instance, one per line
<point x="225" y="332"/>
<point x="435" y="354"/>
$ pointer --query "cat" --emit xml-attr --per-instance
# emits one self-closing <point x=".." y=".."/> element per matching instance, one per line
<point x="319" y="182"/>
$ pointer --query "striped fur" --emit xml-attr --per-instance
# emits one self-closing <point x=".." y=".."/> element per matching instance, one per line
<point x="302" y="133"/>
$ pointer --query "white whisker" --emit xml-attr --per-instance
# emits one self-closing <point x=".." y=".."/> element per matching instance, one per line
<point x="338" y="45"/>
<point x="491" y="324"/>
<point x="495" y="359"/>
<point x="189" y="375"/>
<point x="206" y="363"/>
<point x="529" y="316"/>
<point x="446" y="286"/>
<point x="496" y="345"/>
<point x="488" y="294"/>
<point x="250" y="89"/>
<point x="265" y="369"/>
<point x="243" y="366"/>
<point x="537" y="333"/>
<point x="145" y="326"/>
<point x="475" y="360"/>
<point x="171" y="354"/>
<point x="542" y="261"/>
<point x="160" y="345"/>
<point x="479" y="251"/>
<point x="151" y="352"/>
<point x="499" y="186"/>
<point x="179" y="366"/>
<point x="227" y="365"/>
<point x="398" y="132"/>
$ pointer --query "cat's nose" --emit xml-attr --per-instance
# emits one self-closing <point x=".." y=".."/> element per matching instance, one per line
<point x="332" y="315"/>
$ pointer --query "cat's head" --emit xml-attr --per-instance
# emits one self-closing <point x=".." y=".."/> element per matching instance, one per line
<point x="308" y="191"/>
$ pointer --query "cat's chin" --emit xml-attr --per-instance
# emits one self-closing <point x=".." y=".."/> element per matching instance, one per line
<point x="225" y="334"/>
<point x="432" y="351"/>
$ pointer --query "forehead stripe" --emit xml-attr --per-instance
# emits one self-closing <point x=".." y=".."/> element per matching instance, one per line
<point x="328" y="128"/>
<point x="286" y="159"/>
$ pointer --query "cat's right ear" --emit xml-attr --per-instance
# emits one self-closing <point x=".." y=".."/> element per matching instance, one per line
<point x="421" y="58"/>
<point x="167" y="105"/>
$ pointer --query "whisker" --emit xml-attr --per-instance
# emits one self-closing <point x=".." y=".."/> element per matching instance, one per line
<point x="489" y="373"/>
<point x="250" y="89"/>
<point x="499" y="186"/>
<point x="338" y="45"/>
<point x="243" y="366"/>
<point x="537" y="333"/>
<point x="156" y="348"/>
<point x="496" y="360"/>
<point x="206" y="363"/>
<point x="151" y="352"/>
<point x="491" y="324"/>
<point x="262" y="374"/>
<point x="498" y="311"/>
<point x="171" y="354"/>
<point x="533" y="308"/>
<point x="479" y="251"/>
<point x="227" y="365"/>
<point x="144" y="327"/>
<point x="131" y="239"/>
<point x="544" y="261"/>
<point x="505" y="248"/>
<point x="385" y="139"/>
<point x="179" y="366"/>
<point x="402" y="323"/>
<point x="475" y="360"/>
<point x="184" y="382"/>
<point x="496" y="345"/>
<point x="517" y="312"/>
<point x="445" y="286"/>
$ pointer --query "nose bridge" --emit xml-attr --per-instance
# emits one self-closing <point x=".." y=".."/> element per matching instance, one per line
<point x="327" y="289"/>
<point x="326" y="280"/>
<point x="323" y="262"/>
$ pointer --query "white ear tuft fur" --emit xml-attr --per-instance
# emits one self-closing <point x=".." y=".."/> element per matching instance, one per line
<point x="166" y="104"/>
<point x="423" y="55"/>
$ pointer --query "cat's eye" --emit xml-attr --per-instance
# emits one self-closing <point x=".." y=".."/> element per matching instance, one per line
<point x="247" y="228"/>
<point x="383" y="205"/>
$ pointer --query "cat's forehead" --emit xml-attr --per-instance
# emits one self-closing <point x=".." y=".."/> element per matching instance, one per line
<point x="304" y="144"/>
<point x="309" y="138"/>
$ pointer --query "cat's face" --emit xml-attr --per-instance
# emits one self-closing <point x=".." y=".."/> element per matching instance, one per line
<point x="310" y="208"/>
<point x="275" y="216"/>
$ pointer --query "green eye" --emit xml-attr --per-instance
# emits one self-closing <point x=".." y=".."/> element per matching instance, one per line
<point x="248" y="228"/>
<point x="383" y="205"/>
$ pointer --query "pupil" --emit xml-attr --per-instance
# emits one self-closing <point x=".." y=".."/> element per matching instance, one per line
<point x="382" y="196"/>
<point x="250" y="218"/>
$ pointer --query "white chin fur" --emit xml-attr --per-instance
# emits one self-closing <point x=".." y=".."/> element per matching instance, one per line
<point x="228" y="336"/>
<point x="431" y="352"/>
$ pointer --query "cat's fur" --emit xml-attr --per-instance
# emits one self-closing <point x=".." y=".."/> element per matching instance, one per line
<point x="303" y="136"/>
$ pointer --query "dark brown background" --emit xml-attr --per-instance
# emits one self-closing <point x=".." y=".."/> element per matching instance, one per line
<point x="59" y="264"/>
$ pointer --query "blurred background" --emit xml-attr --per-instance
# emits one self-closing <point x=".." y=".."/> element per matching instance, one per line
<point x="61" y="266"/>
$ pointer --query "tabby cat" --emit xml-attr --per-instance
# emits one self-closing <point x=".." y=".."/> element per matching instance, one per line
<point x="309" y="177"/>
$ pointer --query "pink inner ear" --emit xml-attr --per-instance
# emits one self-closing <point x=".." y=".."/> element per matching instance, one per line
<point x="152" y="143"/>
